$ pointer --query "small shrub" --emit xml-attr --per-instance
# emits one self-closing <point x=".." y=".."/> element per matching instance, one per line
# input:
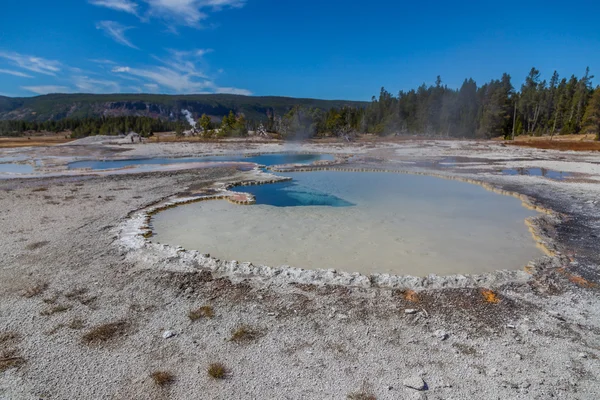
<point x="40" y="189"/>
<point x="217" y="371"/>
<point x="244" y="333"/>
<point x="162" y="378"/>
<point x="202" y="312"/>
<point x="105" y="332"/>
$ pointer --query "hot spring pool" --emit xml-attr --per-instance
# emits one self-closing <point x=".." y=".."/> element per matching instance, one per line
<point x="263" y="159"/>
<point x="360" y="222"/>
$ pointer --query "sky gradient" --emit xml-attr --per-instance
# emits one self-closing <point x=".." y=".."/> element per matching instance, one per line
<point x="321" y="49"/>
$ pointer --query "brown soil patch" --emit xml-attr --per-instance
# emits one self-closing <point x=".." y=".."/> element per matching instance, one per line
<point x="10" y="142"/>
<point x="582" y="144"/>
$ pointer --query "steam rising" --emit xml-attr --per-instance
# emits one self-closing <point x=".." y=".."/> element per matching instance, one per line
<point x="188" y="116"/>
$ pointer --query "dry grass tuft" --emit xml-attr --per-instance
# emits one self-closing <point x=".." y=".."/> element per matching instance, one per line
<point x="40" y="189"/>
<point x="365" y="393"/>
<point x="9" y="355"/>
<point x="202" y="312"/>
<point x="361" y="396"/>
<point x="580" y="281"/>
<point x="55" y="310"/>
<point x="36" y="245"/>
<point x="217" y="371"/>
<point x="411" y="296"/>
<point x="489" y="296"/>
<point x="76" y="324"/>
<point x="162" y="378"/>
<point x="35" y="290"/>
<point x="244" y="334"/>
<point x="105" y="332"/>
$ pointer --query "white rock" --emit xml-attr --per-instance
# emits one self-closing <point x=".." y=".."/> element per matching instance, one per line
<point x="168" y="334"/>
<point x="582" y="355"/>
<point x="410" y="311"/>
<point x="440" y="334"/>
<point x="415" y="382"/>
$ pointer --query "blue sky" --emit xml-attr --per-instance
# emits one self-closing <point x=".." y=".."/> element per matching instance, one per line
<point x="323" y="49"/>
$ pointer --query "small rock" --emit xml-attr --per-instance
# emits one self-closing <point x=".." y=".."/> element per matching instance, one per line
<point x="583" y="355"/>
<point x="415" y="382"/>
<point x="440" y="334"/>
<point x="518" y="356"/>
<point x="510" y="326"/>
<point x="168" y="334"/>
<point x="410" y="311"/>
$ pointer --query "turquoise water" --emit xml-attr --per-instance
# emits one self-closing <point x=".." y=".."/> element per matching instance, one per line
<point x="360" y="222"/>
<point x="292" y="194"/>
<point x="263" y="159"/>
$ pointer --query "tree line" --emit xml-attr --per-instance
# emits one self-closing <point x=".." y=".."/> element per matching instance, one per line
<point x="81" y="127"/>
<point x="558" y="106"/>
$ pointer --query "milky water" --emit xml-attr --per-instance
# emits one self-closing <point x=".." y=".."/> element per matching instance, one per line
<point x="360" y="222"/>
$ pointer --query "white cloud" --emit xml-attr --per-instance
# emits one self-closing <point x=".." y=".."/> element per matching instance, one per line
<point x="118" y="5"/>
<point x="116" y="31"/>
<point x="179" y="73"/>
<point x="165" y="77"/>
<point x="102" y="61"/>
<point x="32" y="63"/>
<point x="15" y="73"/>
<point x="177" y="12"/>
<point x="45" y="89"/>
<point x="89" y="85"/>
<point x="230" y="90"/>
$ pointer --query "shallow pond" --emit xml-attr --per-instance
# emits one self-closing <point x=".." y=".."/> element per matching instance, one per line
<point x="16" y="168"/>
<point x="360" y="222"/>
<point x="263" y="159"/>
<point x="546" y="173"/>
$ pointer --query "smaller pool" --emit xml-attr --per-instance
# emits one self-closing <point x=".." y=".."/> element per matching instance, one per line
<point x="16" y="168"/>
<point x="263" y="159"/>
<point x="546" y="173"/>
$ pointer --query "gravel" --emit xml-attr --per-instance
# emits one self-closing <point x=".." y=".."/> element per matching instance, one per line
<point x="60" y="250"/>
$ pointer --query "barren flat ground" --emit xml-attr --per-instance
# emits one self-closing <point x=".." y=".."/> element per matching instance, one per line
<point x="92" y="308"/>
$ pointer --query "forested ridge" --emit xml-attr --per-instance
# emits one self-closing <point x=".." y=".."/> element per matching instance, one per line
<point x="559" y="105"/>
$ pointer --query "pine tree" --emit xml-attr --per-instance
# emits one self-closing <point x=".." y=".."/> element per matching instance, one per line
<point x="592" y="115"/>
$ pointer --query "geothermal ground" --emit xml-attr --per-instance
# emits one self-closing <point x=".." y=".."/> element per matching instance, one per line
<point x="91" y="307"/>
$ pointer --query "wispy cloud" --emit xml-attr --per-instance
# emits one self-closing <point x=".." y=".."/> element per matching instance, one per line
<point x="165" y="77"/>
<point x="119" y="5"/>
<point x="116" y="31"/>
<point x="102" y="61"/>
<point x="232" y="90"/>
<point x="32" y="63"/>
<point x="178" y="12"/>
<point x="89" y="85"/>
<point x="179" y="74"/>
<point x="189" y="12"/>
<point x="15" y="73"/>
<point x="45" y="89"/>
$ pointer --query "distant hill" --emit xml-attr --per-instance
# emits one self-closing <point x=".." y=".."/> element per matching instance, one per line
<point x="58" y="106"/>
